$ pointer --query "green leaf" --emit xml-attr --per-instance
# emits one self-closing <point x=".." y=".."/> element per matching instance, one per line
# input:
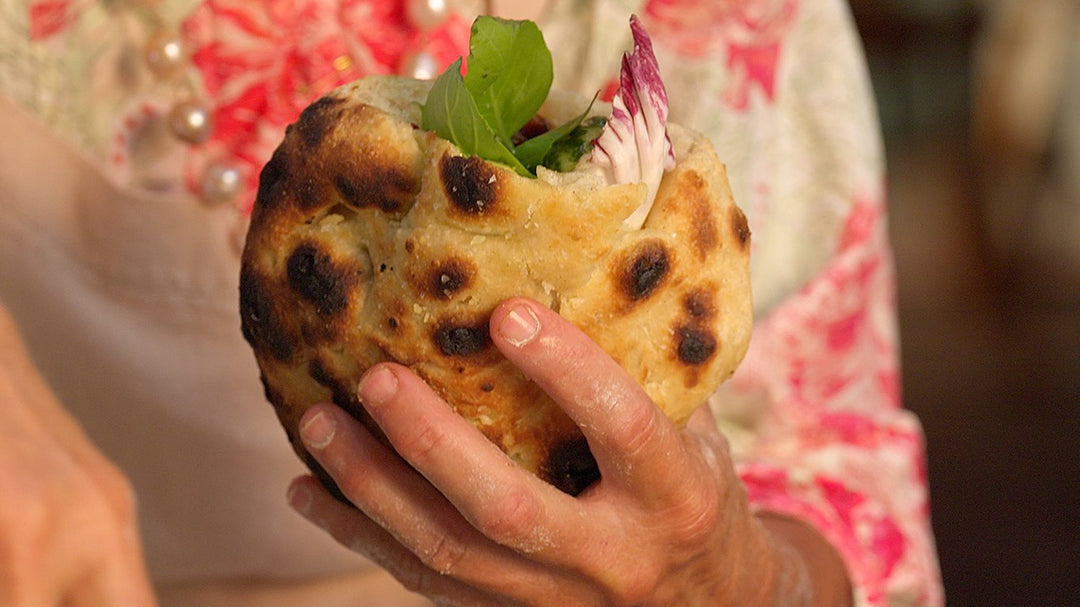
<point x="452" y="114"/>
<point x="508" y="79"/>
<point x="567" y="151"/>
<point x="533" y="151"/>
<point x="509" y="73"/>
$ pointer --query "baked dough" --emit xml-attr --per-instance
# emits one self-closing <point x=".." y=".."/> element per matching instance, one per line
<point x="372" y="240"/>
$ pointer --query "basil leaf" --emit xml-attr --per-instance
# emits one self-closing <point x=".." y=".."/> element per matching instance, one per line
<point x="509" y="76"/>
<point x="509" y="73"/>
<point x="533" y="151"/>
<point x="452" y="114"/>
<point x="566" y="152"/>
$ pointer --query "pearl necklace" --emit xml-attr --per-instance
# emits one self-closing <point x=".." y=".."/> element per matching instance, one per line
<point x="190" y="119"/>
<point x="426" y="16"/>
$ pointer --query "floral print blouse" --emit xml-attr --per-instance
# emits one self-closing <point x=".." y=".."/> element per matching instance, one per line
<point x="814" y="413"/>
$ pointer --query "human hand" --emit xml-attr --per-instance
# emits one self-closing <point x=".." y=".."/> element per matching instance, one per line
<point x="667" y="524"/>
<point x="67" y="516"/>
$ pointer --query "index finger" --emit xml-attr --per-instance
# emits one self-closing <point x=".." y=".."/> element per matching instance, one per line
<point x="632" y="440"/>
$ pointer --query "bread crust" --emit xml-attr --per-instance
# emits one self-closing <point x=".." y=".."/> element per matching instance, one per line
<point x="372" y="240"/>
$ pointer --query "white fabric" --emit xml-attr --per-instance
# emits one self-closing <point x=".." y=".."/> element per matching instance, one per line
<point x="151" y="323"/>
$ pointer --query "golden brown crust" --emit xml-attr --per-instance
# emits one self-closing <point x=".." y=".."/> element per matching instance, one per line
<point x="372" y="240"/>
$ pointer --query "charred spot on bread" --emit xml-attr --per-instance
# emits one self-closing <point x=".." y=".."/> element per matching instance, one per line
<point x="704" y="234"/>
<point x="272" y="394"/>
<point x="372" y="241"/>
<point x="271" y="179"/>
<point x="262" y="321"/>
<point x="739" y="226"/>
<point x="570" y="466"/>
<point x="310" y="196"/>
<point x="321" y="373"/>
<point x="698" y="304"/>
<point x="454" y="338"/>
<point x="694" y="345"/>
<point x="643" y="269"/>
<point x="317" y="120"/>
<point x="316" y="277"/>
<point x="469" y="183"/>
<point x="387" y="188"/>
<point x="692" y="199"/>
<point x="344" y="396"/>
<point x="343" y="390"/>
<point x="449" y="276"/>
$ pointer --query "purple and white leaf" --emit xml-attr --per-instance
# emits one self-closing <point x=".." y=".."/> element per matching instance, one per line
<point x="634" y="145"/>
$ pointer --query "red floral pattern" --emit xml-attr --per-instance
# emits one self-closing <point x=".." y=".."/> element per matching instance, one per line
<point x="263" y="61"/>
<point x="50" y="17"/>
<point x="748" y="32"/>
<point x="827" y="360"/>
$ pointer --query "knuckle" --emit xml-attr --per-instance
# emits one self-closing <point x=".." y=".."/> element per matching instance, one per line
<point x="638" y="430"/>
<point x="119" y="493"/>
<point x="424" y="444"/>
<point x="696" y="519"/>
<point x="22" y="522"/>
<point x="512" y="519"/>
<point x="635" y="589"/>
<point x="445" y="554"/>
<point x="413" y="576"/>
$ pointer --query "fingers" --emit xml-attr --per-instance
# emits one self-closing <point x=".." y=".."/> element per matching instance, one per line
<point x="120" y="582"/>
<point x="68" y="517"/>
<point x="97" y="550"/>
<point x="360" y="534"/>
<point x="415" y="514"/>
<point x="500" y="499"/>
<point x="444" y="508"/>
<point x="632" y="440"/>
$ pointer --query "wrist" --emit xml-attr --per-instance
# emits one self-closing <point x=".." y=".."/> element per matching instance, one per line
<point x="804" y="569"/>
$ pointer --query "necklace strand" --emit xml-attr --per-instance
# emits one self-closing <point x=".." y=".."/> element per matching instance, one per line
<point x="220" y="181"/>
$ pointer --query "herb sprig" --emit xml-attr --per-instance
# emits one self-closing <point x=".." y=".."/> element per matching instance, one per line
<point x="508" y="78"/>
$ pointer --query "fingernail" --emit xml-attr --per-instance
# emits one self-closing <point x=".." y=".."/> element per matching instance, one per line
<point x="318" y="430"/>
<point x="377" y="386"/>
<point x="300" y="498"/>
<point x="520" y="326"/>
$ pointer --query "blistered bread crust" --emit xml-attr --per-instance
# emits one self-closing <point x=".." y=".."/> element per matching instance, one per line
<point x="372" y="240"/>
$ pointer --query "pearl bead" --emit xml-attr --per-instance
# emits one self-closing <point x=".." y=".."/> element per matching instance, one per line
<point x="221" y="182"/>
<point x="420" y="65"/>
<point x="427" y="14"/>
<point x="165" y="54"/>
<point x="190" y="121"/>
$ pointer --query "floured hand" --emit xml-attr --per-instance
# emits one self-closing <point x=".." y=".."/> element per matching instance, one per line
<point x="453" y="518"/>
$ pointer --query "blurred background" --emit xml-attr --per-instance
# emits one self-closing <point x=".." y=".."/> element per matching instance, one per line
<point x="980" y="103"/>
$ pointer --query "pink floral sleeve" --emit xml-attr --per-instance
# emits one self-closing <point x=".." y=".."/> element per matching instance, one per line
<point x="832" y="444"/>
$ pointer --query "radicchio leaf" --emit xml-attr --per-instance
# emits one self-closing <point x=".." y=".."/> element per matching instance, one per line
<point x="634" y="145"/>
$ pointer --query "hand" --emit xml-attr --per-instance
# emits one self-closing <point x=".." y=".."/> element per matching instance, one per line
<point x="67" y="516"/>
<point x="667" y="524"/>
